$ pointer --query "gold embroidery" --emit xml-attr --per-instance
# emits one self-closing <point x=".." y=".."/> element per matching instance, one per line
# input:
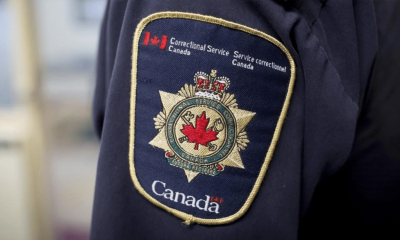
<point x="224" y="149"/>
<point x="185" y="93"/>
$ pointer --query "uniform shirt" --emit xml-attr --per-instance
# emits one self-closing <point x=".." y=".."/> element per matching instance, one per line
<point x="334" y="169"/>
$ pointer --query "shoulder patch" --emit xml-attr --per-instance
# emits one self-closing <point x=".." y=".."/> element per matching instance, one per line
<point x="208" y="100"/>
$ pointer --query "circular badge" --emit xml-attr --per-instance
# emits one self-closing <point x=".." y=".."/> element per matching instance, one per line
<point x="201" y="131"/>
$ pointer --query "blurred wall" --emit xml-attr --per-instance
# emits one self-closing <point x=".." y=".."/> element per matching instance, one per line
<point x="22" y="194"/>
<point x="68" y="32"/>
<point x="48" y="151"/>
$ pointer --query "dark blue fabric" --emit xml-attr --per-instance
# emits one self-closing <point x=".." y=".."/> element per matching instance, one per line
<point x="362" y="199"/>
<point x="316" y="139"/>
<point x="261" y="90"/>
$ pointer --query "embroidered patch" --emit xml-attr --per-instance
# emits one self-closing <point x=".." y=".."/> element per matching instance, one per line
<point x="201" y="128"/>
<point x="208" y="100"/>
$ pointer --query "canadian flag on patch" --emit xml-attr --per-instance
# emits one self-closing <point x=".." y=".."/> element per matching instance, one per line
<point x="155" y="40"/>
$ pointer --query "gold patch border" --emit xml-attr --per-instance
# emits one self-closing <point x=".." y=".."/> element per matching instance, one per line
<point x="218" y="21"/>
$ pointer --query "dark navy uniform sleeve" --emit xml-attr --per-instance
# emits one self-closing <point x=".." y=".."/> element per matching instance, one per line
<point x="108" y="45"/>
<point x="341" y="120"/>
<point x="361" y="199"/>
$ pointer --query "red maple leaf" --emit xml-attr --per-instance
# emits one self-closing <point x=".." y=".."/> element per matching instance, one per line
<point x="154" y="40"/>
<point x="199" y="134"/>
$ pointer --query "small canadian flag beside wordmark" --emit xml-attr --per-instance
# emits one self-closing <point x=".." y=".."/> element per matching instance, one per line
<point x="154" y="41"/>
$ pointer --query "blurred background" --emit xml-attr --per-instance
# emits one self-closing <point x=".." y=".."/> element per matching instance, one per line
<point x="48" y="150"/>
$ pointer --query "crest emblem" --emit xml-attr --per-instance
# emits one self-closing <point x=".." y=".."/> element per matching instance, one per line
<point x="201" y="139"/>
<point x="201" y="128"/>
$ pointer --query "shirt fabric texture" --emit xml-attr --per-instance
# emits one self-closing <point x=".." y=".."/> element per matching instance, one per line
<point x="336" y="168"/>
